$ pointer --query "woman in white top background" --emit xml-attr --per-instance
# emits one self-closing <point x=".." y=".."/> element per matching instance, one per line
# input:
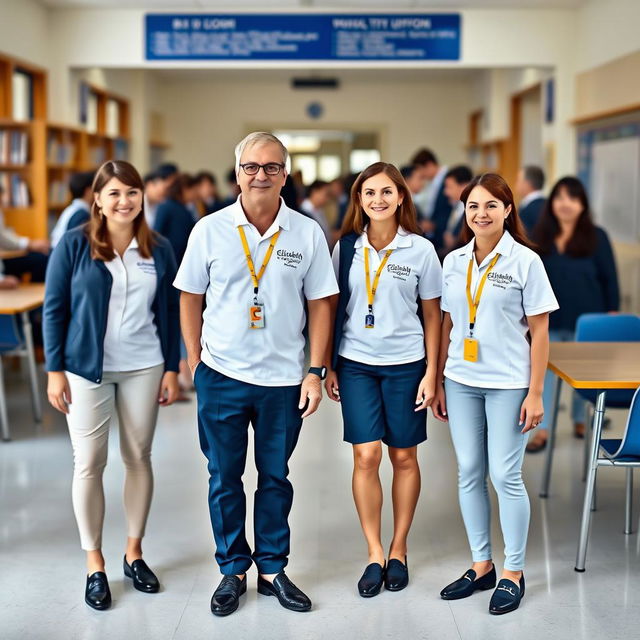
<point x="494" y="348"/>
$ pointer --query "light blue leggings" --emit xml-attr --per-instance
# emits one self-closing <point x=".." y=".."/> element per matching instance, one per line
<point x="486" y="437"/>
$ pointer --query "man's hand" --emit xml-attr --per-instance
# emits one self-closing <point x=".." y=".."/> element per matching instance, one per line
<point x="312" y="392"/>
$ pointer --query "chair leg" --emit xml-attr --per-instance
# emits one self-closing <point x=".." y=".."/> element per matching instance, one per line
<point x="551" y="440"/>
<point x="33" y="372"/>
<point x="4" y="421"/>
<point x="628" y="526"/>
<point x="587" y="435"/>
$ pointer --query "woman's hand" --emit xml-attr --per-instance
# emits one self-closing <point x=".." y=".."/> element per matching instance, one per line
<point x="169" y="388"/>
<point x="426" y="392"/>
<point x="439" y="404"/>
<point x="531" y="412"/>
<point x="331" y="385"/>
<point x="58" y="391"/>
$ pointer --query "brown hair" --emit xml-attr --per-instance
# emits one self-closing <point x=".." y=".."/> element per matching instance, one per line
<point x="497" y="186"/>
<point x="179" y="185"/>
<point x="97" y="231"/>
<point x="356" y="219"/>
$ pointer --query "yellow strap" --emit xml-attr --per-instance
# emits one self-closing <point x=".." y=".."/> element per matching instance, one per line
<point x="247" y="252"/>
<point x="371" y="290"/>
<point x="473" y="304"/>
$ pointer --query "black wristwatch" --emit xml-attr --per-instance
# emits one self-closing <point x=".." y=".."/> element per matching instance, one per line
<point x="321" y="372"/>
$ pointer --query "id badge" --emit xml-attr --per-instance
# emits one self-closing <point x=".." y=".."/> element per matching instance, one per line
<point x="471" y="350"/>
<point x="256" y="316"/>
<point x="369" y="321"/>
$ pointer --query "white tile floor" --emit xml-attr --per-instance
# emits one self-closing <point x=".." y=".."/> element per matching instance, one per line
<point x="42" y="567"/>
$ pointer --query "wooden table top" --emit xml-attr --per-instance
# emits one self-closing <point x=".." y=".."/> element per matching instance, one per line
<point x="24" y="298"/>
<point x="597" y="365"/>
<point x="6" y="254"/>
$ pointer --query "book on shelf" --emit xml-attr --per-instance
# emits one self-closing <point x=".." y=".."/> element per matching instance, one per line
<point x="14" y="145"/>
<point x="58" y="192"/>
<point x="16" y="190"/>
<point x="60" y="153"/>
<point x="98" y="155"/>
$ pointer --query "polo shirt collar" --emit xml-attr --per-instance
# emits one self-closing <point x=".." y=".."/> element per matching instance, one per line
<point x="504" y="248"/>
<point x="282" y="219"/>
<point x="402" y="239"/>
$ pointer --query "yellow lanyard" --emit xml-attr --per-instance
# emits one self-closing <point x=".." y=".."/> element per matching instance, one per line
<point x="247" y="252"/>
<point x="371" y="290"/>
<point x="473" y="303"/>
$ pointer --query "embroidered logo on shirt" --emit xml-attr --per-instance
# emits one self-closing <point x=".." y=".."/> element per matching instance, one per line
<point x="290" y="258"/>
<point x="399" y="271"/>
<point x="147" y="267"/>
<point x="501" y="280"/>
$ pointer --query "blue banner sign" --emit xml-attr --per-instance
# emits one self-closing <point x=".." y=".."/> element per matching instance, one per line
<point x="395" y="37"/>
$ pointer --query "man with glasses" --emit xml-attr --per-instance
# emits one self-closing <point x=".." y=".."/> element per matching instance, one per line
<point x="255" y="264"/>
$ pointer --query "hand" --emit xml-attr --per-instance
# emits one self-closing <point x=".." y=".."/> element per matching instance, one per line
<point x="312" y="392"/>
<point x="58" y="391"/>
<point x="40" y="246"/>
<point x="193" y="364"/>
<point x="169" y="388"/>
<point x="331" y="385"/>
<point x="426" y="393"/>
<point x="9" y="282"/>
<point x="439" y="404"/>
<point x="531" y="412"/>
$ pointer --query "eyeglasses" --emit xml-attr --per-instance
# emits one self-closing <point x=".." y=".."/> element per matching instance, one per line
<point x="271" y="168"/>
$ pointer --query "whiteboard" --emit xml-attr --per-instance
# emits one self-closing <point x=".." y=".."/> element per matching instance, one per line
<point x="615" y="189"/>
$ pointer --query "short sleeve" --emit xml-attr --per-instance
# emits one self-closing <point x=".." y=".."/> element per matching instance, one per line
<point x="335" y="258"/>
<point x="444" y="302"/>
<point x="320" y="280"/>
<point x="193" y="274"/>
<point x="537" y="294"/>
<point x="430" y="281"/>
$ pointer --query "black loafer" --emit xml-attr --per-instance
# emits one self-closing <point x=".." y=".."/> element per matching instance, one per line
<point x="143" y="578"/>
<point x="506" y="597"/>
<point x="467" y="584"/>
<point x="97" y="593"/>
<point x="289" y="596"/>
<point x="371" y="581"/>
<point x="396" y="577"/>
<point x="226" y="597"/>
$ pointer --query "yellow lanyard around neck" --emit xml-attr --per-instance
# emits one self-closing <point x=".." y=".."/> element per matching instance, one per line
<point x="247" y="252"/>
<point x="473" y="303"/>
<point x="371" y="290"/>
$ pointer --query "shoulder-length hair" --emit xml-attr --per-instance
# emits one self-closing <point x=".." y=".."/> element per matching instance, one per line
<point x="497" y="186"/>
<point x="356" y="219"/>
<point x="583" y="239"/>
<point x="97" y="231"/>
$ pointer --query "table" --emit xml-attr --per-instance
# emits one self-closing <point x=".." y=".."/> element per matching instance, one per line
<point x="19" y="302"/>
<point x="6" y="254"/>
<point x="589" y="365"/>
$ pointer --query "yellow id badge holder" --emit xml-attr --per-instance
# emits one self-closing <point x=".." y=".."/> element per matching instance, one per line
<point x="471" y="350"/>
<point x="256" y="316"/>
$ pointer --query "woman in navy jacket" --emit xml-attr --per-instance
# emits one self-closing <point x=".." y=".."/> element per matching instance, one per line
<point x="111" y="329"/>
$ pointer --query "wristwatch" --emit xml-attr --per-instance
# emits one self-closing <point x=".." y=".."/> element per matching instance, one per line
<point x="321" y="372"/>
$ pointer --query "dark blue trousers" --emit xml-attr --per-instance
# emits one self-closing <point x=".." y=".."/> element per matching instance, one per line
<point x="225" y="409"/>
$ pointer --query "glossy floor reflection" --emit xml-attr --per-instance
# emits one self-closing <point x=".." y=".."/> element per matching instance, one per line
<point x="42" y="569"/>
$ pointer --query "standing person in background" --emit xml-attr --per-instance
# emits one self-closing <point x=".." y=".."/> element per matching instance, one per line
<point x="455" y="181"/>
<point x="529" y="187"/>
<point x="416" y="181"/>
<point x="232" y="187"/>
<point x="289" y="194"/>
<point x="155" y="193"/>
<point x="111" y="327"/>
<point x="343" y="205"/>
<point x="377" y="365"/>
<point x="77" y="212"/>
<point x="318" y="196"/>
<point x="579" y="260"/>
<point x="208" y="199"/>
<point x="432" y="202"/>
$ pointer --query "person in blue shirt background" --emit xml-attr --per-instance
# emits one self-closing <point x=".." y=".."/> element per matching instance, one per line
<point x="579" y="261"/>
<point x="77" y="212"/>
<point x="529" y="187"/>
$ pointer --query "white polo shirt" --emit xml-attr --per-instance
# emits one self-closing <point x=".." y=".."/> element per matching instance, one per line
<point x="516" y="287"/>
<point x="214" y="264"/>
<point x="131" y="340"/>
<point x="412" y="271"/>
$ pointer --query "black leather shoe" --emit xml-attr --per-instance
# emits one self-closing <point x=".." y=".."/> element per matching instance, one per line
<point x="396" y="577"/>
<point x="97" y="593"/>
<point x="289" y="596"/>
<point x="226" y="597"/>
<point x="467" y="584"/>
<point x="143" y="578"/>
<point x="371" y="581"/>
<point x="506" y="597"/>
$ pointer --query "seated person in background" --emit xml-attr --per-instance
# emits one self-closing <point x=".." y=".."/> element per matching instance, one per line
<point x="77" y="212"/>
<point x="155" y="192"/>
<point x="208" y="198"/>
<point x="312" y="206"/>
<point x="34" y="262"/>
<point x="455" y="181"/>
<point x="529" y="188"/>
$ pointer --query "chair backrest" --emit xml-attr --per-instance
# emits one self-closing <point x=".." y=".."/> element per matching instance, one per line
<point x="605" y="327"/>
<point x="630" y="445"/>
<point x="9" y="335"/>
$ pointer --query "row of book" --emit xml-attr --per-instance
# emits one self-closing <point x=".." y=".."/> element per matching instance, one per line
<point x="58" y="192"/>
<point x="60" y="153"/>
<point x="16" y="190"/>
<point x="14" y="146"/>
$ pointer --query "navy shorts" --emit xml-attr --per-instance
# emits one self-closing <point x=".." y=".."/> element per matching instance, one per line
<point x="378" y="403"/>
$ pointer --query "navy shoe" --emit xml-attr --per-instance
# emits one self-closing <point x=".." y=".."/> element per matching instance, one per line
<point x="371" y="581"/>
<point x="97" y="593"/>
<point x="396" y="577"/>
<point x="506" y="597"/>
<point x="143" y="578"/>
<point x="467" y="585"/>
<point x="289" y="596"/>
<point x="226" y="597"/>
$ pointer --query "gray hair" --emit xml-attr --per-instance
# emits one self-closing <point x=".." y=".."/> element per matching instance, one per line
<point x="257" y="138"/>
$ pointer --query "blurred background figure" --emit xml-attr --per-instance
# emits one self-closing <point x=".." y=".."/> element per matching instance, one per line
<point x="318" y="196"/>
<point x="77" y="212"/>
<point x="529" y="187"/>
<point x="155" y="193"/>
<point x="456" y="179"/>
<point x="208" y="199"/>
<point x="416" y="181"/>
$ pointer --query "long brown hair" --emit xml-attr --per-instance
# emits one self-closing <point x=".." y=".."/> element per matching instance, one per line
<point x="497" y="186"/>
<point x="97" y="231"/>
<point x="356" y="219"/>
